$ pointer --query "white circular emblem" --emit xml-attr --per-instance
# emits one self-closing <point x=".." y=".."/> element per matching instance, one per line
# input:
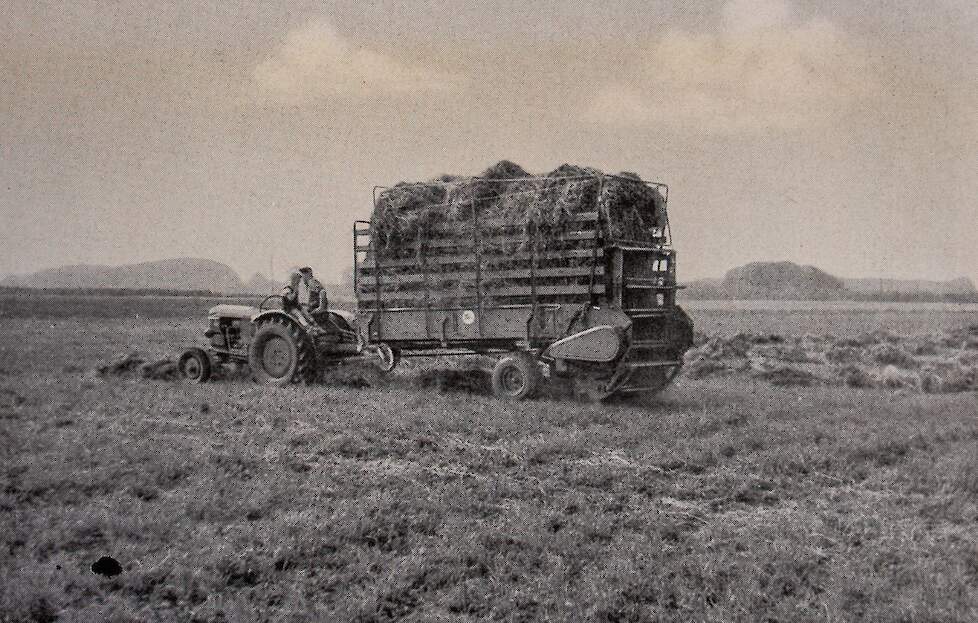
<point x="468" y="316"/>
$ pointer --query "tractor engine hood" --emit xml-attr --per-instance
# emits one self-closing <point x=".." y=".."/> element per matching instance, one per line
<point x="238" y="312"/>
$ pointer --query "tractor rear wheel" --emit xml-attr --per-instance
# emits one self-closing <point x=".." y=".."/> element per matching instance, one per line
<point x="280" y="354"/>
<point x="516" y="377"/>
<point x="195" y="365"/>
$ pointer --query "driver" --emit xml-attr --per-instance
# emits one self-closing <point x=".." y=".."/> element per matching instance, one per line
<point x="306" y="292"/>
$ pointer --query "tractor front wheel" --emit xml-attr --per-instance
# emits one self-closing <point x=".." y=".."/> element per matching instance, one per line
<point x="195" y="365"/>
<point x="281" y="354"/>
<point x="516" y="377"/>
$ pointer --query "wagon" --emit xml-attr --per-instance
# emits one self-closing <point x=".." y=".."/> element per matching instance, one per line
<point x="588" y="301"/>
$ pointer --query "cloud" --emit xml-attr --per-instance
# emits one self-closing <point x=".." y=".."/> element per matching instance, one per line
<point x="317" y="62"/>
<point x="762" y="70"/>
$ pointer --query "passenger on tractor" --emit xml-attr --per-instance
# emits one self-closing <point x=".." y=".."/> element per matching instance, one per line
<point x="305" y="292"/>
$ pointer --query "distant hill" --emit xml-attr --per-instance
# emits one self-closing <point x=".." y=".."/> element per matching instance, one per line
<point x="781" y="280"/>
<point x="175" y="274"/>
<point x="786" y="280"/>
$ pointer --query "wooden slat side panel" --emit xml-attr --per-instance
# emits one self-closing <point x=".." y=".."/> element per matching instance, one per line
<point x="488" y="275"/>
<point x="369" y="264"/>
<point x="389" y="298"/>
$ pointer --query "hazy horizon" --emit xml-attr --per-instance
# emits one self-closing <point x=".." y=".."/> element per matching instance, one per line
<point x="841" y="136"/>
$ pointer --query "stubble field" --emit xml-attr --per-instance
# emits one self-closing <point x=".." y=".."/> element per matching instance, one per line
<point x="726" y="498"/>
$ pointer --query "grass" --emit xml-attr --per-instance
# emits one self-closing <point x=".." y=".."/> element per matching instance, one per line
<point x="723" y="500"/>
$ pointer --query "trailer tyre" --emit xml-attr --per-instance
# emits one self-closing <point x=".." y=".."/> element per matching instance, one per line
<point x="387" y="358"/>
<point x="516" y="377"/>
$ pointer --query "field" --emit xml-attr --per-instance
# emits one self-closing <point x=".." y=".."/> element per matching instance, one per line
<point x="724" y="499"/>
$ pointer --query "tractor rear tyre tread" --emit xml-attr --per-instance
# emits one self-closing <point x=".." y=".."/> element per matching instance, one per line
<point x="303" y="368"/>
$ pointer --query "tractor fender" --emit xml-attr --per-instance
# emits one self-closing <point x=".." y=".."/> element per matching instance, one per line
<point x="275" y="313"/>
<point x="601" y="344"/>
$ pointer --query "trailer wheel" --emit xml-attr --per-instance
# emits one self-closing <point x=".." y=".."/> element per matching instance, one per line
<point x="195" y="365"/>
<point x="388" y="357"/>
<point x="516" y="377"/>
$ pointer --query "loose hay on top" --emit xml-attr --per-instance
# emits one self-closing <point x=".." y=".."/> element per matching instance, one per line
<point x="507" y="196"/>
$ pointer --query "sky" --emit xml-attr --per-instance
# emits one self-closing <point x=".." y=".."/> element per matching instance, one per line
<point x="839" y="134"/>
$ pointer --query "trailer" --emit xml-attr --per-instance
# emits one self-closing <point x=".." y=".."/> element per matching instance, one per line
<point x="587" y="301"/>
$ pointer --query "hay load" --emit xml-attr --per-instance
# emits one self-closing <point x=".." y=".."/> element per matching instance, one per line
<point x="506" y="196"/>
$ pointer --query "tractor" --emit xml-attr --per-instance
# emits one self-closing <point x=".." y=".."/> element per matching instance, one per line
<point x="280" y="344"/>
<point x="592" y="301"/>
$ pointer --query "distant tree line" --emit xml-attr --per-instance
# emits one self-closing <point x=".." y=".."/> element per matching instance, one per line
<point x="715" y="293"/>
<point x="914" y="297"/>
<point x="123" y="292"/>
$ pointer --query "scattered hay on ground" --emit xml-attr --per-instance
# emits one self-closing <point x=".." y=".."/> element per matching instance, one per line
<point x="702" y="367"/>
<point x="843" y="355"/>
<point x="788" y="376"/>
<point x="857" y="377"/>
<point x="125" y="363"/>
<point x="132" y="364"/>
<point x="891" y="355"/>
<point x="354" y="375"/>
<point x="895" y="378"/>
<point x="161" y="370"/>
<point x="790" y="353"/>
<point x="445" y="380"/>
<point x="878" y="359"/>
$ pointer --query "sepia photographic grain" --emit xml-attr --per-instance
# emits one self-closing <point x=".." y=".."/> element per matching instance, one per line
<point x="489" y="311"/>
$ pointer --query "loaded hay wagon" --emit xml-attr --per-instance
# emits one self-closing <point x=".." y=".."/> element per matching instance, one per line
<point x="570" y="274"/>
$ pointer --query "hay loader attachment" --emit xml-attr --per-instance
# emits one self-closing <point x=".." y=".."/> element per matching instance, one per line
<point x="581" y="292"/>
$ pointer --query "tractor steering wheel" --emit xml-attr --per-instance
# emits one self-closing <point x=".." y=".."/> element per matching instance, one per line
<point x="261" y="306"/>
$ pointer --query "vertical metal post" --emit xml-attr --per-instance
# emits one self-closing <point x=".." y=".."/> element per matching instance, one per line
<point x="423" y="259"/>
<point x="356" y="266"/>
<point x="532" y="226"/>
<point x="476" y="245"/>
<point x="378" y="301"/>
<point x="597" y="240"/>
